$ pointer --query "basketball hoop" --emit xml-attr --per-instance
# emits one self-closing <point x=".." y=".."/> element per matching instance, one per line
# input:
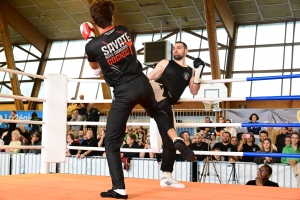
<point x="211" y="105"/>
<point x="207" y="105"/>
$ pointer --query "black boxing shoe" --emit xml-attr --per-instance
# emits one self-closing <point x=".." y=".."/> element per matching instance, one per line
<point x="186" y="152"/>
<point x="112" y="194"/>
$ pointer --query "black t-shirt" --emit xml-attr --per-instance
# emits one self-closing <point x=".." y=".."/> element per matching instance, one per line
<point x="202" y="147"/>
<point x="268" y="183"/>
<point x="175" y="79"/>
<point x="83" y="110"/>
<point x="280" y="142"/>
<point x="247" y="148"/>
<point x="116" y="55"/>
<point x="90" y="143"/>
<point x="229" y="147"/>
<point x="135" y="145"/>
<point x="94" y="115"/>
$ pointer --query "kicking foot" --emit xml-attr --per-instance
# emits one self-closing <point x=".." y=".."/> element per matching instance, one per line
<point x="113" y="194"/>
<point x="186" y="152"/>
<point x="170" y="182"/>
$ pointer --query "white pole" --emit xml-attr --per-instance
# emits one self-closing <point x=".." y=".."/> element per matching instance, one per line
<point x="55" y="127"/>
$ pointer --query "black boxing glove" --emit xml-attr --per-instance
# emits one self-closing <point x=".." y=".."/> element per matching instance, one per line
<point x="198" y="70"/>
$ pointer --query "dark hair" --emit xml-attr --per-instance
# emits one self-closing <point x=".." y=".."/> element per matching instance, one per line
<point x="228" y="133"/>
<point x="250" y="118"/>
<point x="72" y="137"/>
<point x="298" y="144"/>
<point x="269" y="169"/>
<point x="34" y="115"/>
<point x="101" y="12"/>
<point x="228" y="120"/>
<point x="180" y="42"/>
<point x="14" y="111"/>
<point x="184" y="132"/>
<point x="265" y="132"/>
<point x="38" y="135"/>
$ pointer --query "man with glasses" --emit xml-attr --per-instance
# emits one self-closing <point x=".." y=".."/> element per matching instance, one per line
<point x="263" y="175"/>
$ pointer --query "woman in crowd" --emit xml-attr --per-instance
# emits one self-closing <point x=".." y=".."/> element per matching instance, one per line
<point x="248" y="145"/>
<point x="71" y="142"/>
<point x="89" y="142"/>
<point x="147" y="146"/>
<point x="14" y="142"/>
<point x="10" y="128"/>
<point x="141" y="139"/>
<point x="35" y="141"/>
<point x="254" y="119"/>
<point x="266" y="148"/>
<point x="126" y="156"/>
<point x="234" y="141"/>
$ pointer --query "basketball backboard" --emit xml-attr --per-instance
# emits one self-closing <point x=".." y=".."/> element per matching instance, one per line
<point x="212" y="91"/>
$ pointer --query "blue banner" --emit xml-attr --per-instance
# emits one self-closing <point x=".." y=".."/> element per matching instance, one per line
<point x="21" y="114"/>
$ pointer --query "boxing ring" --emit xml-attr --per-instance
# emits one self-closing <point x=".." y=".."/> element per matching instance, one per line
<point x="66" y="186"/>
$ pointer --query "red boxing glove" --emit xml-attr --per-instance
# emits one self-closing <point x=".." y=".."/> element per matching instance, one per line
<point x="87" y="31"/>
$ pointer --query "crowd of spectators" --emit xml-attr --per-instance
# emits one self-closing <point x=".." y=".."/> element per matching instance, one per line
<point x="271" y="140"/>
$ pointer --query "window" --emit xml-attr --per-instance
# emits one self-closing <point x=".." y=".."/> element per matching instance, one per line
<point x="262" y="88"/>
<point x="296" y="58"/>
<point x="241" y="89"/>
<point x="222" y="36"/>
<point x="87" y="71"/>
<point x="268" y="58"/>
<point x="58" y="49"/>
<point x="53" y="66"/>
<point x="26" y="88"/>
<point x="89" y="90"/>
<point x="288" y="57"/>
<point x="76" y="48"/>
<point x="289" y="32"/>
<point x="243" y="59"/>
<point x="297" y="32"/>
<point x="246" y="35"/>
<point x="19" y="54"/>
<point x="30" y="67"/>
<point x="6" y="90"/>
<point x="270" y="33"/>
<point x="72" y="68"/>
<point x="286" y="84"/>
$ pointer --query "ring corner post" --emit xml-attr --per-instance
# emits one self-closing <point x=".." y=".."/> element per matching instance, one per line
<point x="54" y="129"/>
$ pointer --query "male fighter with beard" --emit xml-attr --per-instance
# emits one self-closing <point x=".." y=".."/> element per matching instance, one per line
<point x="173" y="77"/>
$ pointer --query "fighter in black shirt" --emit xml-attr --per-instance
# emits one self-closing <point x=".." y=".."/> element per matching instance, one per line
<point x="114" y="55"/>
<point x="172" y="77"/>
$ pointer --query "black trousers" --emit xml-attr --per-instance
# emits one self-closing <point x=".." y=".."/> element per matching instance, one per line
<point x="126" y="97"/>
<point x="169" y="151"/>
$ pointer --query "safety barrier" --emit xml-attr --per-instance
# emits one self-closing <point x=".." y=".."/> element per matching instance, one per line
<point x="229" y="173"/>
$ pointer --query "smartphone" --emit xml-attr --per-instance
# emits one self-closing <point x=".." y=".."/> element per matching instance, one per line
<point x="247" y="135"/>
